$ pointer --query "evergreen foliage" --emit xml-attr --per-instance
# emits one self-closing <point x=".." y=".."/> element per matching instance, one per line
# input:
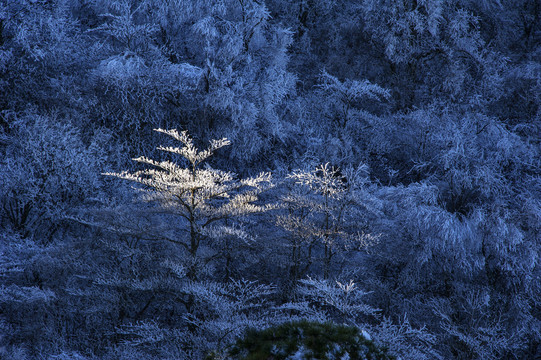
<point x="306" y="340"/>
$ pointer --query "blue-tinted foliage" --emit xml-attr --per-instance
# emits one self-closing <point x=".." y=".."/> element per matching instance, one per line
<point x="403" y="138"/>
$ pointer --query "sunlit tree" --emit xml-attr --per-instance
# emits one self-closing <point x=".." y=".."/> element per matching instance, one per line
<point x="201" y="196"/>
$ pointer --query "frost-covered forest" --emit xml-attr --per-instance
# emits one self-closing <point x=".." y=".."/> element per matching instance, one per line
<point x="174" y="173"/>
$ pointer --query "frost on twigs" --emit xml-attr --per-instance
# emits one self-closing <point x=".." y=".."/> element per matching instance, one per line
<point x="322" y="206"/>
<point x="204" y="197"/>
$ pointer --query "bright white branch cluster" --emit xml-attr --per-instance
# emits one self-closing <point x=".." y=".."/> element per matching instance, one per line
<point x="202" y="196"/>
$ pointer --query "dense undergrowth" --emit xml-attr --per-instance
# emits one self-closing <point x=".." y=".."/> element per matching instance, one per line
<point x="370" y="164"/>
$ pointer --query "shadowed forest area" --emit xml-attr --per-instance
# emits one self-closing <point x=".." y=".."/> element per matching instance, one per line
<point x="177" y="175"/>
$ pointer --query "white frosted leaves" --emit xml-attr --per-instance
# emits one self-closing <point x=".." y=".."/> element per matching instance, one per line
<point x="202" y="196"/>
<point x="351" y="90"/>
<point x="189" y="151"/>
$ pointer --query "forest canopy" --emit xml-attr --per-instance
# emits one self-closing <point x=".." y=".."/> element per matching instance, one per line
<point x="369" y="168"/>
